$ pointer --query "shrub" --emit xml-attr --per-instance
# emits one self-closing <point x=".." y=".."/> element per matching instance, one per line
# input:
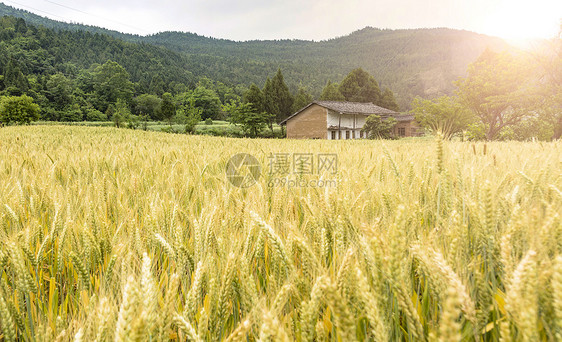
<point x="94" y="115"/>
<point x="18" y="109"/>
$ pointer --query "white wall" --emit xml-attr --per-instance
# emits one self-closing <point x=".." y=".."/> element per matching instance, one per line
<point x="342" y="135"/>
<point x="346" y="120"/>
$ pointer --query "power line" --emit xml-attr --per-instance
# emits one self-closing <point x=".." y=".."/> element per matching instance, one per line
<point x="65" y="6"/>
<point x="35" y="9"/>
<point x="73" y="9"/>
<point x="96" y="16"/>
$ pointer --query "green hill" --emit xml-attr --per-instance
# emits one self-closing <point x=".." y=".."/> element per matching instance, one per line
<point x="35" y="19"/>
<point x="36" y="50"/>
<point x="410" y="62"/>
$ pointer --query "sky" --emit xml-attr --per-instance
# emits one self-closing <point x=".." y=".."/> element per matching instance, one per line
<point x="305" y="19"/>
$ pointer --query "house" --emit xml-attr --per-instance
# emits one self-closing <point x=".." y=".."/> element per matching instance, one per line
<point x="336" y="120"/>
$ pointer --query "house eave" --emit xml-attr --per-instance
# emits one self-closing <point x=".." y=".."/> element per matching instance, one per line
<point x="319" y="103"/>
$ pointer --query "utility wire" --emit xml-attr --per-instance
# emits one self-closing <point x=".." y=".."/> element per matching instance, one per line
<point x="74" y="9"/>
<point x="34" y="9"/>
<point x="96" y="16"/>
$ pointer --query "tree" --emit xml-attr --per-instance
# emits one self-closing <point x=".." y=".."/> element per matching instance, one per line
<point x="277" y="98"/>
<point x="208" y="101"/>
<point x="359" y="86"/>
<point x="72" y="113"/>
<point x="157" y="85"/>
<point x="13" y="76"/>
<point x="112" y="82"/>
<point x="388" y="100"/>
<point x="92" y="114"/>
<point x="193" y="118"/>
<point x="226" y="93"/>
<point x="59" y="90"/>
<point x="378" y="128"/>
<point x="19" y="109"/>
<point x="497" y="90"/>
<point x="121" y="113"/>
<point x="270" y="104"/>
<point x="167" y="108"/>
<point x="110" y="112"/>
<point x="331" y="92"/>
<point x="302" y="98"/>
<point x="254" y="96"/>
<point x="252" y="121"/>
<point x="444" y="115"/>
<point x="551" y="89"/>
<point x="148" y="104"/>
<point x="284" y="98"/>
<point x="189" y="115"/>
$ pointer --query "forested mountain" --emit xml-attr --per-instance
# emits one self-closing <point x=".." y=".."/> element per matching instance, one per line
<point x="35" y="19"/>
<point x="409" y="62"/>
<point x="41" y="51"/>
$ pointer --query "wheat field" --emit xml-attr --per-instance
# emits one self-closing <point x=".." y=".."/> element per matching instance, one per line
<point x="120" y="235"/>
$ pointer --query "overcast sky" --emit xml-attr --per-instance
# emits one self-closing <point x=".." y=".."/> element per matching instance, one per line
<point x="305" y="19"/>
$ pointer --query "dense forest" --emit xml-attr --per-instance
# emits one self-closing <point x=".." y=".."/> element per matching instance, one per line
<point x="78" y="75"/>
<point x="72" y="72"/>
<point x="417" y="62"/>
<point x="38" y="50"/>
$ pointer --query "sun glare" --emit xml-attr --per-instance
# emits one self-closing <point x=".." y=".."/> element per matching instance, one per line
<point x="521" y="20"/>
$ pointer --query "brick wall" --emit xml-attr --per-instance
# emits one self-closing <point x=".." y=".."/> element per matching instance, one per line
<point x="411" y="129"/>
<point x="309" y="124"/>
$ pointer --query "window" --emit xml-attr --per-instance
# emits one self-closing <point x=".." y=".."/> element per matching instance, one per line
<point x="402" y="131"/>
<point x="334" y="135"/>
<point x="347" y="134"/>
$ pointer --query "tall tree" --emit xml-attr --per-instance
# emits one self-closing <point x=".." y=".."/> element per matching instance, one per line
<point x="112" y="82"/>
<point x="302" y="98"/>
<point x="208" y="101"/>
<point x="497" y="90"/>
<point x="444" y="115"/>
<point x="388" y="100"/>
<point x="331" y="92"/>
<point x="360" y="86"/>
<point x="59" y="90"/>
<point x="270" y="104"/>
<point x="254" y="96"/>
<point x="551" y="89"/>
<point x="277" y="98"/>
<point x="148" y="104"/>
<point x="168" y="109"/>
<point x="157" y="85"/>
<point x="121" y="113"/>
<point x="189" y="115"/>
<point x="13" y="76"/>
<point x="252" y="121"/>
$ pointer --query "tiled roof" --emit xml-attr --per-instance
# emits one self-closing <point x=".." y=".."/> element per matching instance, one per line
<point x="405" y="117"/>
<point x="365" y="108"/>
<point x="354" y="107"/>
